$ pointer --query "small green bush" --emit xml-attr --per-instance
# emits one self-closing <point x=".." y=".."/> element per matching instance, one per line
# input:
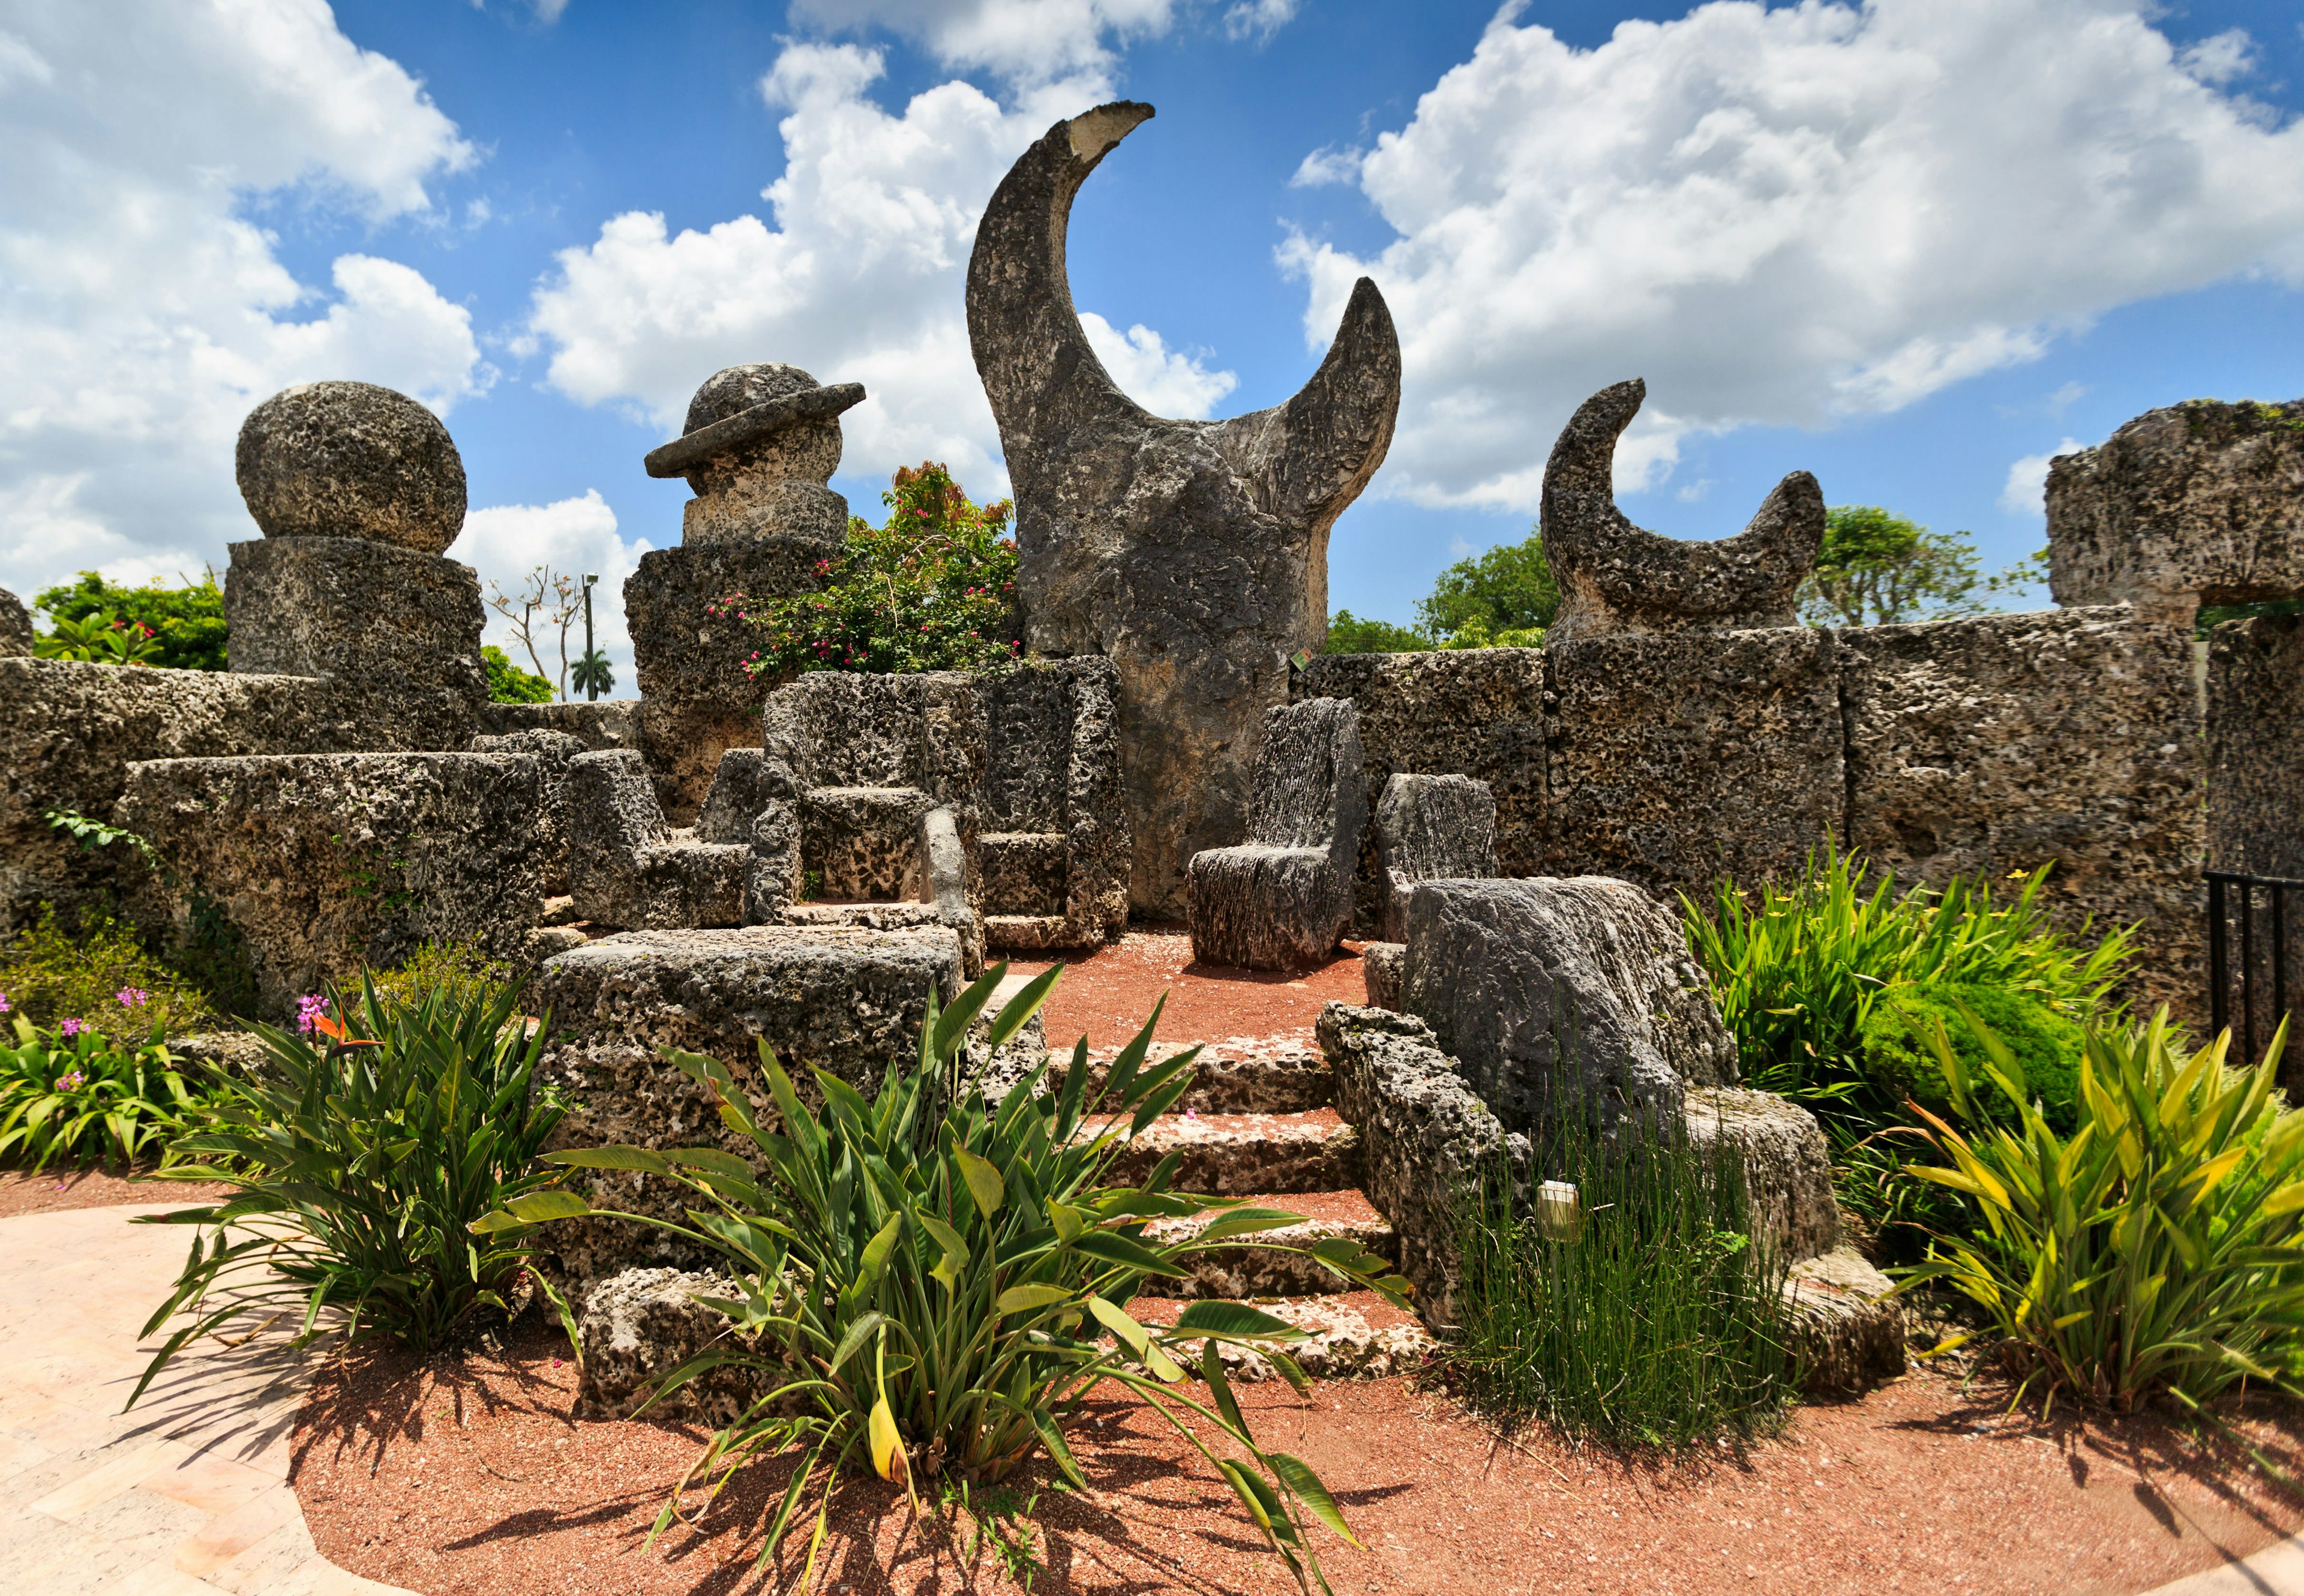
<point x="82" y="969"/>
<point x="2159" y="1247"/>
<point x="508" y="683"/>
<point x="460" y="972"/>
<point x="1655" y="1323"/>
<point x="358" y="1158"/>
<point x="70" y="1094"/>
<point x="1348" y="633"/>
<point x="930" y="1275"/>
<point x="1900" y="1058"/>
<point x="180" y="627"/>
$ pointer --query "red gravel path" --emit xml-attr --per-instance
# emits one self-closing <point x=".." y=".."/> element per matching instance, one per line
<point x="23" y="1193"/>
<point x="1107" y="995"/>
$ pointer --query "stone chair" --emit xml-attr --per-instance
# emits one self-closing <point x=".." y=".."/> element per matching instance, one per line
<point x="1284" y="899"/>
<point x="1431" y="828"/>
<point x="1053" y="854"/>
<point x="628" y="867"/>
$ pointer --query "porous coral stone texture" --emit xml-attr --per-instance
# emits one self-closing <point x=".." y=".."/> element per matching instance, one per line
<point x="1431" y="828"/>
<point x="16" y="625"/>
<point x="638" y="1325"/>
<point x="1786" y="1162"/>
<point x="838" y="998"/>
<point x="1562" y="995"/>
<point x="1285" y="899"/>
<point x="2200" y="503"/>
<point x="350" y="460"/>
<point x="552" y="752"/>
<point x="2256" y="754"/>
<point x="1676" y="760"/>
<point x="328" y="863"/>
<point x="2067" y="738"/>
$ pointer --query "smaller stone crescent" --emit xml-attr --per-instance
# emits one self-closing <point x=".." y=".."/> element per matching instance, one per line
<point x="685" y="453"/>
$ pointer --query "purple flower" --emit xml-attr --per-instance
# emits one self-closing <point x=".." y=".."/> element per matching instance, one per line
<point x="3" y="1003"/>
<point x="132" y="996"/>
<point x="72" y="1027"/>
<point x="70" y="1080"/>
<point x="310" y="1006"/>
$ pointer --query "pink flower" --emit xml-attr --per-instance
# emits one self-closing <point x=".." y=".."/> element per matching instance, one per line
<point x="309" y="1007"/>
<point x="72" y="1027"/>
<point x="132" y="996"/>
<point x="70" y="1080"/>
<point x="3" y="1003"/>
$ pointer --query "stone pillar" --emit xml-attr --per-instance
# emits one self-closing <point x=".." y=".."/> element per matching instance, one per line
<point x="16" y="625"/>
<point x="760" y="445"/>
<point x="359" y="490"/>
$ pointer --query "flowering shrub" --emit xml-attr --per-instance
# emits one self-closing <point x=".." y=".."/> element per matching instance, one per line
<point x="71" y="1093"/>
<point x="71" y="968"/>
<point x="933" y="589"/>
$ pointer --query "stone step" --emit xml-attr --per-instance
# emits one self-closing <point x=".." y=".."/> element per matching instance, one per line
<point x="1356" y="1338"/>
<point x="1239" y="1074"/>
<point x="1260" y="1271"/>
<point x="1847" y="1329"/>
<point x="1228" y="1155"/>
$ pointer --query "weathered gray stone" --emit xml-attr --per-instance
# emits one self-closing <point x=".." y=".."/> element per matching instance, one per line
<point x="1615" y="577"/>
<point x="1676" y="760"/>
<point x="73" y="729"/>
<point x="1428" y="1144"/>
<point x="1476" y="712"/>
<point x="760" y="443"/>
<point x="1339" y="1344"/>
<point x="1847" y="1328"/>
<point x="1192" y="554"/>
<point x="773" y="882"/>
<point x="839" y="998"/>
<point x="328" y="863"/>
<point x="2255" y="747"/>
<point x="1236" y="1154"/>
<point x="16" y="625"/>
<point x="626" y="868"/>
<point x="603" y="723"/>
<point x="638" y="1325"/>
<point x="398" y="630"/>
<point x="2004" y="743"/>
<point x="2201" y="503"/>
<point x="1265" y="1270"/>
<point x="1786" y="1162"/>
<point x="1054" y="857"/>
<point x="1285" y="897"/>
<point x="1383" y="965"/>
<point x="552" y="752"/>
<point x="1431" y="828"/>
<point x="739" y="792"/>
<point x="350" y="460"/>
<point x="1563" y="996"/>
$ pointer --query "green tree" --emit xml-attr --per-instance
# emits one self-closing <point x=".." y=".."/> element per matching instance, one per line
<point x="594" y="676"/>
<point x="509" y="684"/>
<point x="933" y="589"/>
<point x="1505" y="593"/>
<point x="186" y="621"/>
<point x="1876" y="568"/>
<point x="1350" y="635"/>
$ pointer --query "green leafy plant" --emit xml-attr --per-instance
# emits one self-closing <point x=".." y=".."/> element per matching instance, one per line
<point x="928" y="1276"/>
<point x="102" y="638"/>
<point x="2157" y="1247"/>
<point x="69" y="1093"/>
<point x="358" y="1158"/>
<point x="458" y="971"/>
<point x="509" y="684"/>
<point x="1003" y="1521"/>
<point x="1646" y="1317"/>
<point x="1899" y="1043"/>
<point x="1348" y="633"/>
<point x="184" y="625"/>
<point x="1504" y="592"/>
<point x="933" y="589"/>
<point x="75" y="967"/>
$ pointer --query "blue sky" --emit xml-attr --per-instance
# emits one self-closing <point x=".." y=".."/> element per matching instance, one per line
<point x="1914" y="248"/>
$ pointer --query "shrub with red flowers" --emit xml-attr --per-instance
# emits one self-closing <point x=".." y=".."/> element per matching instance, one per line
<point x="933" y="589"/>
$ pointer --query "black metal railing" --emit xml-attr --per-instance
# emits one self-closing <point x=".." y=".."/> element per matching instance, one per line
<point x="2270" y="971"/>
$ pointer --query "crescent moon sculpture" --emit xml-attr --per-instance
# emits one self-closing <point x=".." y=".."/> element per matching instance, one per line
<point x="1192" y="554"/>
<point x="1617" y="577"/>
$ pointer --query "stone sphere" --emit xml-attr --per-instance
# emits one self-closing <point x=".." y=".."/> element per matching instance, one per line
<point x="351" y="460"/>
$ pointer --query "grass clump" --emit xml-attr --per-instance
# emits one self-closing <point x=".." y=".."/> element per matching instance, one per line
<point x="70" y="1094"/>
<point x="358" y="1158"/>
<point x="1654" y="1320"/>
<point x="85" y="968"/>
<point x="458" y="973"/>
<point x="934" y="1281"/>
<point x="2159" y="1247"/>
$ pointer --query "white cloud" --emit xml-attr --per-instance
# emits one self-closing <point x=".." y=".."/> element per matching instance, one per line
<point x="1325" y="167"/>
<point x="1026" y="41"/>
<point x="2221" y="58"/>
<point x="144" y="313"/>
<point x="504" y="542"/>
<point x="1786" y="214"/>
<point x="1258" y="19"/>
<point x="2027" y="488"/>
<point x="860" y="279"/>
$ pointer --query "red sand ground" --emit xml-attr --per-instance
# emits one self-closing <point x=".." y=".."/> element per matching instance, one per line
<point x="22" y="1192"/>
<point x="1108" y="995"/>
<point x="472" y="1480"/>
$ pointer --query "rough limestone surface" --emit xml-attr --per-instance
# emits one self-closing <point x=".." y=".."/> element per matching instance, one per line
<point x="350" y="460"/>
<point x="1787" y="1164"/>
<point x="1615" y="577"/>
<point x="1239" y="1154"/>
<point x="325" y="862"/>
<point x="626" y="868"/>
<point x="2200" y="503"/>
<point x="638" y="1325"/>
<point x="1287" y="897"/>
<point x="761" y="442"/>
<point x="1052" y="794"/>
<point x="1847" y="1328"/>
<point x="1382" y="967"/>
<point x="1559" y="995"/>
<point x="839" y="998"/>
<point x="689" y="657"/>
<point x="1266" y="1269"/>
<point x="604" y="723"/>
<point x="1678" y="760"/>
<point x="1238" y="1075"/>
<point x="552" y="752"/>
<point x="2067" y="738"/>
<point x="1428" y="1142"/>
<point x="1476" y="712"/>
<point x="1431" y="828"/>
<point x="2256" y="746"/>
<point x="400" y="631"/>
<point x="1339" y="1344"/>
<point x="15" y="626"/>
<point x="73" y="729"/>
<point x="1191" y="554"/>
<point x="739" y="792"/>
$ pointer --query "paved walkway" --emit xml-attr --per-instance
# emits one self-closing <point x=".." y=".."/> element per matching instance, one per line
<point x="187" y="1495"/>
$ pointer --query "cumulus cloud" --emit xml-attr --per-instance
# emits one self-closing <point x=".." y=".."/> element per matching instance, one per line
<point x="1785" y="214"/>
<point x="1025" y="41"/>
<point x="859" y="279"/>
<point x="146" y="312"/>
<point x="504" y="542"/>
<point x="2026" y="491"/>
<point x="1258" y="20"/>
